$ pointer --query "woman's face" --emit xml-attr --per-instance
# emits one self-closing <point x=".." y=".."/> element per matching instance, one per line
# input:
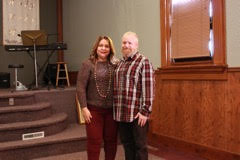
<point x="103" y="50"/>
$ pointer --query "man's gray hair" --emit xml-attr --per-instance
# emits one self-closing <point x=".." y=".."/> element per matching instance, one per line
<point x="132" y="34"/>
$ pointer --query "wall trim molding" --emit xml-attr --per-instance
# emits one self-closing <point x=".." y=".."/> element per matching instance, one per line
<point x="234" y="69"/>
<point x="196" y="73"/>
<point x="217" y="72"/>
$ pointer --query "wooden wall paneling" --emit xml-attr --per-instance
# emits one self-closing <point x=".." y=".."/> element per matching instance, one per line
<point x="155" y="115"/>
<point x="212" y="122"/>
<point x="233" y="112"/>
<point x="203" y="112"/>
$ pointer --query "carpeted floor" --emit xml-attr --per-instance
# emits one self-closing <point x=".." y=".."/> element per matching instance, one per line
<point x="120" y="155"/>
<point x="83" y="155"/>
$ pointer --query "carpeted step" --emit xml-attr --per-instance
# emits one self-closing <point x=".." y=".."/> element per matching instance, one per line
<point x="72" y="139"/>
<point x="24" y="113"/>
<point x="50" y="125"/>
<point x="16" y="98"/>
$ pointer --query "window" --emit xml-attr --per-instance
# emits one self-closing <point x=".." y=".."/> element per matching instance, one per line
<point x="193" y="39"/>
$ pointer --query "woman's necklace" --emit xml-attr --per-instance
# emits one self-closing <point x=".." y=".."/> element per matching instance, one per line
<point x="101" y="94"/>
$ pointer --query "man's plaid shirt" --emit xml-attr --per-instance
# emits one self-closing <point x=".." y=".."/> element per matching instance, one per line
<point x="133" y="88"/>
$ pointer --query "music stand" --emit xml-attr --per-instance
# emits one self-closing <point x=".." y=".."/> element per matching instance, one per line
<point x="34" y="38"/>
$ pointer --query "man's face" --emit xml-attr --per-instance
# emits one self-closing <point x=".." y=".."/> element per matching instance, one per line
<point x="129" y="45"/>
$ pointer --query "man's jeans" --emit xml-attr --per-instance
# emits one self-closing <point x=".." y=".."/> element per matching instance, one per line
<point x="134" y="140"/>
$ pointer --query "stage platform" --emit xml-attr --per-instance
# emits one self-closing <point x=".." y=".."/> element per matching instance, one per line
<point x="62" y="99"/>
<point x="50" y="113"/>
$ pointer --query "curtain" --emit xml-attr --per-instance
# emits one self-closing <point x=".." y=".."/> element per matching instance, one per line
<point x="190" y="29"/>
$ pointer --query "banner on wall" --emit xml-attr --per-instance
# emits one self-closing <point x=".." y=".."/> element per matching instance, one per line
<point x="19" y="15"/>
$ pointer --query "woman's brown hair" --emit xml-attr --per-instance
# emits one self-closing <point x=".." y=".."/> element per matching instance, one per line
<point x="93" y="54"/>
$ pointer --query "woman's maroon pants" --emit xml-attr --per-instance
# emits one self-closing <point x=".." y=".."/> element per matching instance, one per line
<point x="101" y="129"/>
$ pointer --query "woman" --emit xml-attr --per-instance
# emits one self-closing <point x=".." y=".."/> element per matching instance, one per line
<point x="95" y="94"/>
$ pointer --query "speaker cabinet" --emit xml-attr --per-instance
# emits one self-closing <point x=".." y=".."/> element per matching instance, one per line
<point x="4" y="80"/>
<point x="50" y="74"/>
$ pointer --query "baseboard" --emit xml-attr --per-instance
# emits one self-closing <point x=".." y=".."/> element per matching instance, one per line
<point x="201" y="151"/>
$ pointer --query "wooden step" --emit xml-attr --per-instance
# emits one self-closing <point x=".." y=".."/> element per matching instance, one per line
<point x="72" y="139"/>
<point x="25" y="113"/>
<point x="50" y="126"/>
<point x="16" y="98"/>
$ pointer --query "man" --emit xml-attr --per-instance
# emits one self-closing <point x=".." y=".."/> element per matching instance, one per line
<point x="133" y="96"/>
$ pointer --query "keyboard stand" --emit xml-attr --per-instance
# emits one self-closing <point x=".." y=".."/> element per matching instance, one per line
<point x="49" y="47"/>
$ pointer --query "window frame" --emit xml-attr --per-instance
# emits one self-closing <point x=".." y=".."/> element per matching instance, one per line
<point x="207" y="69"/>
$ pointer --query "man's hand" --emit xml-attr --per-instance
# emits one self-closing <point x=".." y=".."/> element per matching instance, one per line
<point x="141" y="119"/>
<point x="86" y="115"/>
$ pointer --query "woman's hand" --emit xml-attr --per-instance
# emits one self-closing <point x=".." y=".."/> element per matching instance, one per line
<point x="86" y="115"/>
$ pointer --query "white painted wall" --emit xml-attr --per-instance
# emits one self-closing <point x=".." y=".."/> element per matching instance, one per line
<point x="233" y="32"/>
<point x="84" y="20"/>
